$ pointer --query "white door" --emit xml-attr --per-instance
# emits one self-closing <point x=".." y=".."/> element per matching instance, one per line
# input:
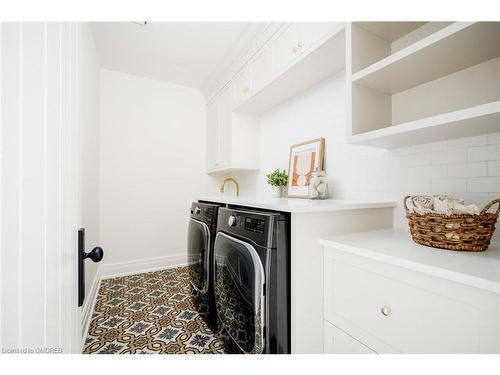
<point x="40" y="185"/>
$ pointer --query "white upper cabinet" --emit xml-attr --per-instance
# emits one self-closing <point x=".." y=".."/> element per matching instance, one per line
<point x="292" y="59"/>
<point x="312" y="32"/>
<point x="231" y="137"/>
<point x="296" y="58"/>
<point x="225" y="126"/>
<point x="261" y="69"/>
<point x="298" y="38"/>
<point x="242" y="86"/>
<point x="286" y="47"/>
<point x="213" y="134"/>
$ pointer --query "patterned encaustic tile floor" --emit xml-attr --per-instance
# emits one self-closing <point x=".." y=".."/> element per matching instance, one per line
<point x="150" y="313"/>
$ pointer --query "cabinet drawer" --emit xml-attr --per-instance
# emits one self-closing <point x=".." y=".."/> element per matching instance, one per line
<point x="338" y="342"/>
<point x="410" y="319"/>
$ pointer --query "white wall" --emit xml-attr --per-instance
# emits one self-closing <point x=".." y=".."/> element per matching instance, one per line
<point x="42" y="120"/>
<point x="467" y="167"/>
<point x="152" y="166"/>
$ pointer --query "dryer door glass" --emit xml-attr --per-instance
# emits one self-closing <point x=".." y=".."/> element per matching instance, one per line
<point x="198" y="254"/>
<point x="239" y="292"/>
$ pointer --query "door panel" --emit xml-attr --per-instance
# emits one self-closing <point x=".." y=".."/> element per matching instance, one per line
<point x="285" y="48"/>
<point x="225" y="126"/>
<point x="198" y="254"/>
<point x="212" y="134"/>
<point x="239" y="292"/>
<point x="242" y="86"/>
<point x="312" y="32"/>
<point x="47" y="90"/>
<point x="261" y="69"/>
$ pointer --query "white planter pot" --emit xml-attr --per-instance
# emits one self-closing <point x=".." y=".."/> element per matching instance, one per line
<point x="277" y="192"/>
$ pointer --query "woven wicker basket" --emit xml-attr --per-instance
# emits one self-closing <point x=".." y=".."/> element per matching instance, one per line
<point x="465" y="232"/>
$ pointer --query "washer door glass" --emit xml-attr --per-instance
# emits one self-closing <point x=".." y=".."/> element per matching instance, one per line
<point x="239" y="292"/>
<point x="198" y="254"/>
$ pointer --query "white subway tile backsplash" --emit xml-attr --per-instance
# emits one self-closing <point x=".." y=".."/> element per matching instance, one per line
<point x="448" y="185"/>
<point x="483" y="184"/>
<point x="493" y="196"/>
<point x="476" y="169"/>
<point x="431" y="171"/>
<point x="412" y="150"/>
<point x="494" y="138"/>
<point x="479" y="199"/>
<point x="480" y="140"/>
<point x="415" y="160"/>
<point x="449" y="156"/>
<point x="494" y="168"/>
<point x="482" y="153"/>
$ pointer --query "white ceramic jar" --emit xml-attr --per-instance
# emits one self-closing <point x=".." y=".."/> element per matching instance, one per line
<point x="318" y="186"/>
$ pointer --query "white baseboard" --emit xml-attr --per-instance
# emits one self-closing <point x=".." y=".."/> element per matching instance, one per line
<point x="88" y="306"/>
<point x="142" y="265"/>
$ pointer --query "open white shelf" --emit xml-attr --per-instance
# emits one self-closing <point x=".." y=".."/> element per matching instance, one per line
<point x="390" y="31"/>
<point x="453" y="48"/>
<point x="477" y="120"/>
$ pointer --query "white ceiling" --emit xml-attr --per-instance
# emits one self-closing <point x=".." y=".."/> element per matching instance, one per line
<point x="186" y="53"/>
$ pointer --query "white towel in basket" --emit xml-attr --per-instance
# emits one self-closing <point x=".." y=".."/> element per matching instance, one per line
<point x="423" y="204"/>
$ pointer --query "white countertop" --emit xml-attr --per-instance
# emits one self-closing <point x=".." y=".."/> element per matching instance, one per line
<point x="395" y="246"/>
<point x="296" y="205"/>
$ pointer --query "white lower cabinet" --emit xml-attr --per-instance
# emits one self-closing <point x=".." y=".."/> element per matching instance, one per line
<point x="339" y="342"/>
<point x="385" y="308"/>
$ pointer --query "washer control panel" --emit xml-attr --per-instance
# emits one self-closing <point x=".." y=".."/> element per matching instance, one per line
<point x="254" y="224"/>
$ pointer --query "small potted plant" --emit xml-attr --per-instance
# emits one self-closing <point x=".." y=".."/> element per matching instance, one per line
<point x="278" y="180"/>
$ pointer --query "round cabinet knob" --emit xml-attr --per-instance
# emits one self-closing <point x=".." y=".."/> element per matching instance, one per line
<point x="197" y="210"/>
<point x="300" y="45"/>
<point x="231" y="221"/>
<point x="385" y="310"/>
<point x="294" y="49"/>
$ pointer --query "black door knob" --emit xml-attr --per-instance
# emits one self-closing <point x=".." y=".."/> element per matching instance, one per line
<point x="96" y="254"/>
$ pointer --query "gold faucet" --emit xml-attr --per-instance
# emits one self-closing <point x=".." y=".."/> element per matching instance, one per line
<point x="230" y="179"/>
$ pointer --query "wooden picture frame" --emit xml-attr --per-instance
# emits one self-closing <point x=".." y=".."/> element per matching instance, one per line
<point x="304" y="158"/>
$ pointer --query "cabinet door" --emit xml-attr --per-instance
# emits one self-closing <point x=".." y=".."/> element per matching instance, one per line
<point x="213" y="134"/>
<point x="285" y="48"/>
<point x="261" y="69"/>
<point x="312" y="32"/>
<point x="339" y="342"/>
<point x="242" y="86"/>
<point x="225" y="125"/>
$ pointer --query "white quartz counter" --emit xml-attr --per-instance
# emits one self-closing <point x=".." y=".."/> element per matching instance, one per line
<point x="395" y="246"/>
<point x="296" y="205"/>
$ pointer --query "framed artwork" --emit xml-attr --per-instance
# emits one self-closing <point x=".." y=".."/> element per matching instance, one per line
<point x="304" y="159"/>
